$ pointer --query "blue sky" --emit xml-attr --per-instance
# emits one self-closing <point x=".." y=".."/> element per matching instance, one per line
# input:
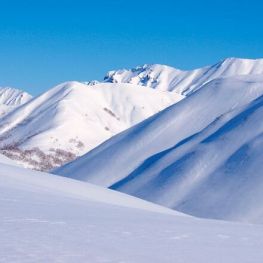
<point x="43" y="43"/>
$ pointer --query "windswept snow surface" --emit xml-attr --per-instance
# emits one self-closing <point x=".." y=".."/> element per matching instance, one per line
<point x="184" y="82"/>
<point x="11" y="98"/>
<point x="73" y="118"/>
<point x="202" y="156"/>
<point x="47" y="218"/>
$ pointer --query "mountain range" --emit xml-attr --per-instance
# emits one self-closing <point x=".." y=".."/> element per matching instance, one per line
<point x="188" y="140"/>
<point x="140" y="166"/>
<point x="201" y="156"/>
<point x="34" y="134"/>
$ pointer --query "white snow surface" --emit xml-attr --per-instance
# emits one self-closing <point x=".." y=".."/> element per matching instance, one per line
<point x="5" y="160"/>
<point x="202" y="156"/>
<point x="184" y="82"/>
<point x="11" y="98"/>
<point x="76" y="117"/>
<point x="47" y="218"/>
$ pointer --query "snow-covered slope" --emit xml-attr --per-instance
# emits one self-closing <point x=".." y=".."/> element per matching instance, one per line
<point x="5" y="160"/>
<point x="202" y="155"/>
<point x="216" y="173"/>
<point x="46" y="218"/>
<point x="11" y="98"/>
<point x="184" y="82"/>
<point x="73" y="118"/>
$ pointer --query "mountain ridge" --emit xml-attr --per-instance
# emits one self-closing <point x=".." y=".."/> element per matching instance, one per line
<point x="184" y="82"/>
<point x="34" y="134"/>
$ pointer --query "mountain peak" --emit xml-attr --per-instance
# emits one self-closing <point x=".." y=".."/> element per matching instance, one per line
<point x="167" y="78"/>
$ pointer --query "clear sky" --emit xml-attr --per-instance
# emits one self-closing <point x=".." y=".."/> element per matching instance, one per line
<point x="43" y="43"/>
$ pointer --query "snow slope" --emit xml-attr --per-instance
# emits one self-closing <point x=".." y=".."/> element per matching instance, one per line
<point x="5" y="160"/>
<point x="184" y="82"/>
<point x="73" y="118"/>
<point x="201" y="156"/>
<point x="46" y="218"/>
<point x="11" y="98"/>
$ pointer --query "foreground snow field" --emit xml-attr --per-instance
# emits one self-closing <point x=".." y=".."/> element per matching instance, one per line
<point x="47" y="218"/>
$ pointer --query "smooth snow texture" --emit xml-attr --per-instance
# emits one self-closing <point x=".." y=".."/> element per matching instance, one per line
<point x="184" y="82"/>
<point x="11" y="98"/>
<point x="46" y="218"/>
<point x="201" y="156"/>
<point x="76" y="117"/>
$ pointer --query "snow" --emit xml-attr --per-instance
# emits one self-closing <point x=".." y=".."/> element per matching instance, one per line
<point x="34" y="134"/>
<point x="47" y="218"/>
<point x="201" y="156"/>
<point x="198" y="151"/>
<point x="75" y="117"/>
<point x="5" y="160"/>
<point x="11" y="98"/>
<point x="163" y="77"/>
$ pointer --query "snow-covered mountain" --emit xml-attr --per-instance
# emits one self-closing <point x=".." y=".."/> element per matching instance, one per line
<point x="47" y="218"/>
<point x="11" y="98"/>
<point x="91" y="112"/>
<point x="184" y="82"/>
<point x="202" y="156"/>
<point x="73" y="118"/>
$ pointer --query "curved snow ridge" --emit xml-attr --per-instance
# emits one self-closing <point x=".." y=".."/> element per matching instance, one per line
<point x="20" y="114"/>
<point x="163" y="77"/>
<point x="20" y="177"/>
